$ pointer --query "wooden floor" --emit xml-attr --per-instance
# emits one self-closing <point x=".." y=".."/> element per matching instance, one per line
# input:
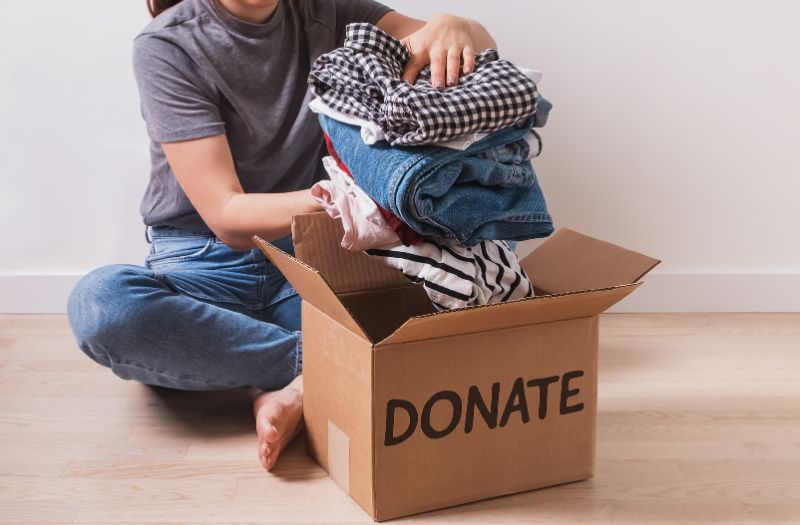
<point x="699" y="422"/>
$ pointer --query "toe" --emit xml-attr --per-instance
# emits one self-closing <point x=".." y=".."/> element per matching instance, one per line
<point x="272" y="458"/>
<point x="266" y="430"/>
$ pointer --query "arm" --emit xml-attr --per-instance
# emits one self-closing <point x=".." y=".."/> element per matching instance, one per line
<point x="204" y="169"/>
<point x="443" y="42"/>
<point x="182" y="115"/>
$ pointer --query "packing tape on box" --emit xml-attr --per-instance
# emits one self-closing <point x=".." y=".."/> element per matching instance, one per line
<point x="339" y="456"/>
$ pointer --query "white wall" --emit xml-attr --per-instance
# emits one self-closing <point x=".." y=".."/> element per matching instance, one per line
<point x="73" y="149"/>
<point x="674" y="132"/>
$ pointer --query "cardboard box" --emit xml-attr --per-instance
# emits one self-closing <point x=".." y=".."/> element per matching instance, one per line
<point x="409" y="410"/>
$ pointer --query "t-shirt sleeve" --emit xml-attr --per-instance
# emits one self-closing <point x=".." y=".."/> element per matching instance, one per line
<point x="350" y="11"/>
<point x="177" y="104"/>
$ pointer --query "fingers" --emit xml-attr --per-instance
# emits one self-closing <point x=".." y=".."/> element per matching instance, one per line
<point x="468" y="55"/>
<point x="438" y="68"/>
<point x="453" y="66"/>
<point x="413" y="67"/>
<point x="446" y="65"/>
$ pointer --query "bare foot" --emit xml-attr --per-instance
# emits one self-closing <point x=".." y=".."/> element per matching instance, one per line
<point x="279" y="417"/>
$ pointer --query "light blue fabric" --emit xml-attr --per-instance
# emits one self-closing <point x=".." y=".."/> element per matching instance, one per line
<point x="197" y="316"/>
<point x="487" y="192"/>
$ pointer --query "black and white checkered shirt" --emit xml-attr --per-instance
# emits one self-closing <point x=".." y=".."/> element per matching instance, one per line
<point x="363" y="79"/>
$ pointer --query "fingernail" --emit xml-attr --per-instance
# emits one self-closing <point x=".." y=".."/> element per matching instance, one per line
<point x="451" y="81"/>
<point x="437" y="84"/>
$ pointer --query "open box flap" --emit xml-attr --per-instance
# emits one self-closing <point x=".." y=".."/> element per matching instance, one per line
<point x="523" y="312"/>
<point x="569" y="260"/>
<point x="317" y="242"/>
<point x="310" y="285"/>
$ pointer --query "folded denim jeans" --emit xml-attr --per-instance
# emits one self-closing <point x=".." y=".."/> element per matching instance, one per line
<point x="487" y="192"/>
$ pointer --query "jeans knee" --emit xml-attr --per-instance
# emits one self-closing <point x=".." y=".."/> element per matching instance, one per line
<point x="93" y="309"/>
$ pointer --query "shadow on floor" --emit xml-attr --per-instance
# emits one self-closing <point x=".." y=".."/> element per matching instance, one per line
<point x="227" y="413"/>
<point x="206" y="414"/>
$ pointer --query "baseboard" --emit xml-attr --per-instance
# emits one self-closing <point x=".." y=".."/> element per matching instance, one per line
<point x="714" y="292"/>
<point x="661" y="292"/>
<point x="35" y="294"/>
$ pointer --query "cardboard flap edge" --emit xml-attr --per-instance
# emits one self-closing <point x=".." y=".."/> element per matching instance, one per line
<point x="570" y="260"/>
<point x="309" y="284"/>
<point x="415" y="328"/>
<point x="317" y="242"/>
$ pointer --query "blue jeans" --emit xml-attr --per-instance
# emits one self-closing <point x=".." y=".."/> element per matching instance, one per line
<point x="487" y="192"/>
<point x="197" y="316"/>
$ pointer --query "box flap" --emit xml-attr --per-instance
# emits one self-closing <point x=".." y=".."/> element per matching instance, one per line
<point x="317" y="242"/>
<point x="540" y="309"/>
<point x="381" y="312"/>
<point x="310" y="285"/>
<point x="569" y="260"/>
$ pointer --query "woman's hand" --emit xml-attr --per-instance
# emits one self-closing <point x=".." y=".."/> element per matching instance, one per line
<point x="448" y="44"/>
<point x="444" y="42"/>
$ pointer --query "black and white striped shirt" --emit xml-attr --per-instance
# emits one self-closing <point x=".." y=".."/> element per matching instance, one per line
<point x="455" y="276"/>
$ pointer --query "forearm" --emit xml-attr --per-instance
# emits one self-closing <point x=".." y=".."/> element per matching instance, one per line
<point x="204" y="169"/>
<point x="268" y="215"/>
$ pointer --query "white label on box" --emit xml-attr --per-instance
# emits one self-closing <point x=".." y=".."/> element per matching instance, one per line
<point x="339" y="456"/>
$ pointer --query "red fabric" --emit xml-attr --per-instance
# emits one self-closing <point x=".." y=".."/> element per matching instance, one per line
<point x="407" y="236"/>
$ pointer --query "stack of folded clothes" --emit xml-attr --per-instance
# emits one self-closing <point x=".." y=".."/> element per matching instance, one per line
<point x="432" y="181"/>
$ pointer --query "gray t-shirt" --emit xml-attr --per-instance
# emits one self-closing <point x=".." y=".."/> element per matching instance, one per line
<point x="203" y="72"/>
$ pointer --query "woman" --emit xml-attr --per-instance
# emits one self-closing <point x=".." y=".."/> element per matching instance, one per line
<point x="234" y="151"/>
